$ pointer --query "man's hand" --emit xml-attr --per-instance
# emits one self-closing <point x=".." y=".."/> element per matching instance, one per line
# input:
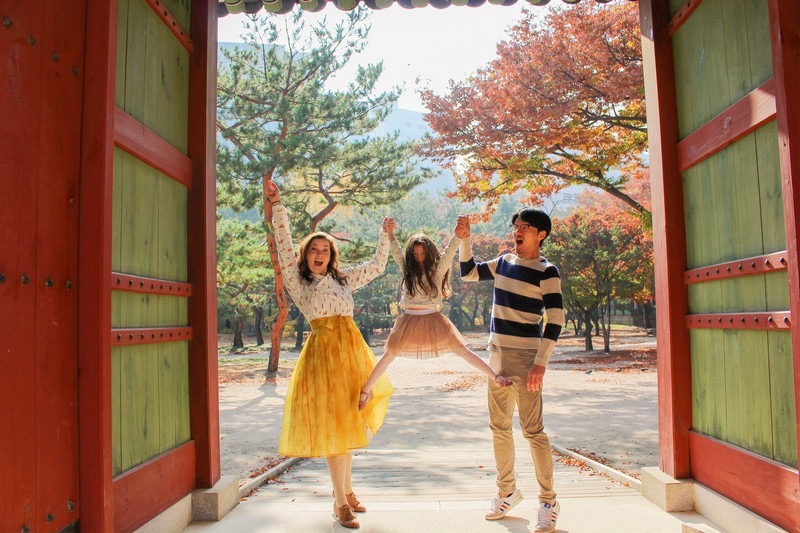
<point x="535" y="378"/>
<point x="462" y="229"/>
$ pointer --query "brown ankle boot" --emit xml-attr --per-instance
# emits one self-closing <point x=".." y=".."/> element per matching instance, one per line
<point x="344" y="515"/>
<point x="353" y="502"/>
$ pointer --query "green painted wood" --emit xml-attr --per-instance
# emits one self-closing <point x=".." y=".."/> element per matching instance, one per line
<point x="135" y="47"/>
<point x="783" y="407"/>
<point x="139" y="419"/>
<point x="116" y="410"/>
<point x="139" y="230"/>
<point x="174" y="394"/>
<point x="770" y="188"/>
<point x="181" y="10"/>
<point x="122" y="51"/>
<point x="166" y="74"/>
<point x="747" y="381"/>
<point x="150" y="238"/>
<point x="708" y="383"/>
<point x="173" y="231"/>
<point x="742" y="387"/>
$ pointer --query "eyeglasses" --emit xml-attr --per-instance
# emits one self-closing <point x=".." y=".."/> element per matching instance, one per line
<point x="519" y="227"/>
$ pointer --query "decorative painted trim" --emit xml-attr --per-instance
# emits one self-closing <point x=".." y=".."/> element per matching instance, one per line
<point x="135" y="501"/>
<point x="741" y="118"/>
<point x="131" y="283"/>
<point x="682" y="15"/>
<point x="768" y="320"/>
<point x="171" y="22"/>
<point x="141" y="142"/>
<point x="133" y="336"/>
<point x="734" y="269"/>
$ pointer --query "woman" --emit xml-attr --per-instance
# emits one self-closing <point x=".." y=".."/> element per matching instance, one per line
<point x="422" y="331"/>
<point x="321" y="416"/>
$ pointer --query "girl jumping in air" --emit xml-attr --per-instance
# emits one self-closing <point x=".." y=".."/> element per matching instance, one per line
<point x="422" y="331"/>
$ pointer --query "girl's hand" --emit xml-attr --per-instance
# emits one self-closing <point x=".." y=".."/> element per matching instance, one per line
<point x="273" y="194"/>
<point x="389" y="225"/>
<point x="502" y="380"/>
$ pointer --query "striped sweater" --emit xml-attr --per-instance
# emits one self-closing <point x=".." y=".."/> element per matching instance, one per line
<point x="524" y="291"/>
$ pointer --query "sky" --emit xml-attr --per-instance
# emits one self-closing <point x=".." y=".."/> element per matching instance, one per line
<point x="434" y="45"/>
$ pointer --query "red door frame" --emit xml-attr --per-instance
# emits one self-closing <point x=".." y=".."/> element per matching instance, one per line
<point x="126" y="502"/>
<point x="772" y="490"/>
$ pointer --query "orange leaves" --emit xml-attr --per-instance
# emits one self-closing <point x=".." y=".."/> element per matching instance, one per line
<point x="562" y="103"/>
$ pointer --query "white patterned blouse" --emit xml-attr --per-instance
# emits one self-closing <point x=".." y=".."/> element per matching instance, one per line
<point x="324" y="296"/>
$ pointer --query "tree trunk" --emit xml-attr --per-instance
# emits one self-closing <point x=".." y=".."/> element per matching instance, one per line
<point x="588" y="333"/>
<point x="300" y="328"/>
<point x="238" y="343"/>
<point x="276" y="328"/>
<point x="259" y="314"/>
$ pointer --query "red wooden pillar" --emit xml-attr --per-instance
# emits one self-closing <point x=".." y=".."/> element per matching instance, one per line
<point x="97" y="171"/>
<point x="669" y="240"/>
<point x="203" y="373"/>
<point x="784" y="22"/>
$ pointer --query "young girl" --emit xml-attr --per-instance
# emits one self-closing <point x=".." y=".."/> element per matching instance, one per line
<point x="320" y="417"/>
<point x="422" y="331"/>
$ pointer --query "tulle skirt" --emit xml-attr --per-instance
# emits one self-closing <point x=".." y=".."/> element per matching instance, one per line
<point x="424" y="336"/>
<point x="321" y="416"/>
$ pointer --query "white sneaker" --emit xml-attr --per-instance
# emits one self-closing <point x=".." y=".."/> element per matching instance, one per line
<point x="500" y="506"/>
<point x="548" y="514"/>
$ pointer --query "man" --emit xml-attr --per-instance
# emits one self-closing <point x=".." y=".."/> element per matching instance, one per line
<point x="526" y="286"/>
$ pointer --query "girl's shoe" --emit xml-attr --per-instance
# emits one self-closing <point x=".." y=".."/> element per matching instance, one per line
<point x="353" y="502"/>
<point x="363" y="399"/>
<point x="344" y="515"/>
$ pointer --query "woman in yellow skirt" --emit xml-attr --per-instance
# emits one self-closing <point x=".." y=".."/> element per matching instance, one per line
<point x="321" y="416"/>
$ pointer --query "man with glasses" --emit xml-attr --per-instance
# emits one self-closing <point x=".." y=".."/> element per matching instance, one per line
<point x="526" y="287"/>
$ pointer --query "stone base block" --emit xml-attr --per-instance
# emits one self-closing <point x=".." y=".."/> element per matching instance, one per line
<point x="670" y="494"/>
<point x="211" y="505"/>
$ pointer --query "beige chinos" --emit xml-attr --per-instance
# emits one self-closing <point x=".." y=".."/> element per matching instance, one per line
<point x="515" y="364"/>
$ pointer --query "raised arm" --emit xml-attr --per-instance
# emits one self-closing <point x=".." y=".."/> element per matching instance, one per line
<point x="283" y="239"/>
<point x="360" y="275"/>
<point x="470" y="270"/>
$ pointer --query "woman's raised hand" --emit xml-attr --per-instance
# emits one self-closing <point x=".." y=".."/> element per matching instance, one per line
<point x="273" y="194"/>
<point x="389" y="225"/>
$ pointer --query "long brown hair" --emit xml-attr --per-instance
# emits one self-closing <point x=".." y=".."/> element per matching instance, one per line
<point x="413" y="275"/>
<point x="333" y="264"/>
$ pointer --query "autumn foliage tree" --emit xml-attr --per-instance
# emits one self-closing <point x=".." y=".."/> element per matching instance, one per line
<point x="602" y="254"/>
<point x="561" y="104"/>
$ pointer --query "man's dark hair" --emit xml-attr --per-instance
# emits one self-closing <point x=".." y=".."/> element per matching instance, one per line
<point x="536" y="218"/>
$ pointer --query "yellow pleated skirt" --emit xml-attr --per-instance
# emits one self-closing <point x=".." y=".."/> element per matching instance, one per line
<point x="321" y="416"/>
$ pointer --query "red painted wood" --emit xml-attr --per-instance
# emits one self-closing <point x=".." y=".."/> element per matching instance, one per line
<point x="94" y="287"/>
<point x="20" y="86"/>
<point x="147" y="490"/>
<point x="734" y="269"/>
<point x="60" y="50"/>
<point x="682" y="15"/>
<point x="169" y="20"/>
<point x="743" y="117"/>
<point x="130" y="283"/>
<point x="203" y="374"/>
<point x="784" y="16"/>
<point x="766" y="487"/>
<point x="669" y="241"/>
<point x="136" y="139"/>
<point x="771" y="320"/>
<point x="131" y="336"/>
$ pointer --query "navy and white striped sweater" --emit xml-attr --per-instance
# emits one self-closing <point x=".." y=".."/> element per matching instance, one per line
<point x="524" y="291"/>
